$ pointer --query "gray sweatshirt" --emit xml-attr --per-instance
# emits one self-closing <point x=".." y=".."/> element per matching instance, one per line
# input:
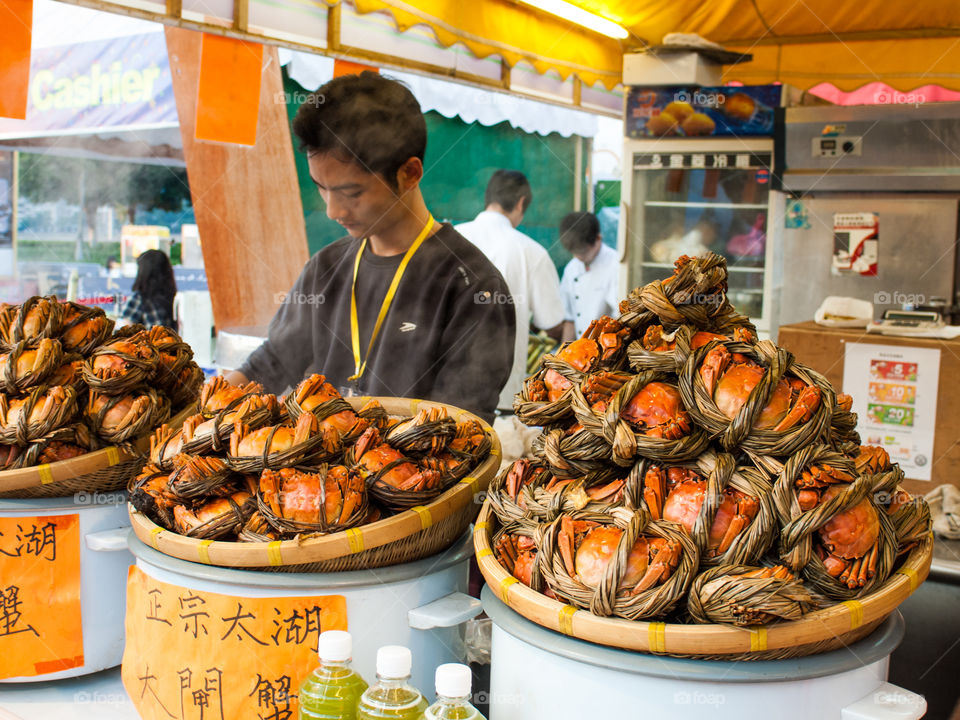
<point x="448" y="335"/>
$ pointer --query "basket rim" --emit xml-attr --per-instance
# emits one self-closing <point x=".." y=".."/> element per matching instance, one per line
<point x="298" y="551"/>
<point x="831" y="623"/>
<point x="46" y="474"/>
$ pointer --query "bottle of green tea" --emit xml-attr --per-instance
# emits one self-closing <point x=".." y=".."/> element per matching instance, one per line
<point x="332" y="691"/>
<point x="392" y="696"/>
<point x="453" y="695"/>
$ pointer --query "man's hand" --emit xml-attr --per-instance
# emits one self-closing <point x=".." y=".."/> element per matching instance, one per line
<point x="569" y="331"/>
<point x="235" y="377"/>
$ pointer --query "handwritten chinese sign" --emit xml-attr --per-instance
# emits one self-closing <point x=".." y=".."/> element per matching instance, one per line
<point x="197" y="655"/>
<point x="40" y="629"/>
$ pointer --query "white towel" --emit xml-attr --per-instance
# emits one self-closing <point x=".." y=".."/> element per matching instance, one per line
<point x="944" y="504"/>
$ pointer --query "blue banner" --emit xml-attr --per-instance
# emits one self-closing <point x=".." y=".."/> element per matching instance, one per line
<point x="701" y="111"/>
<point x="100" y="85"/>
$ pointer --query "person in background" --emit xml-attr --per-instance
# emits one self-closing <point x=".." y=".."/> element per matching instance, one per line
<point x="589" y="284"/>
<point x="153" y="289"/>
<point x="524" y="263"/>
<point x="402" y="305"/>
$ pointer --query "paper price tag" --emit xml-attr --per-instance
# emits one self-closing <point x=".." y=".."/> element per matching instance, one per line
<point x="40" y="631"/>
<point x="195" y="655"/>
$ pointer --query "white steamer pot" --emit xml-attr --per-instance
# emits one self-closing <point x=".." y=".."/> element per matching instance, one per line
<point x="104" y="560"/>
<point x="538" y="673"/>
<point x="419" y="605"/>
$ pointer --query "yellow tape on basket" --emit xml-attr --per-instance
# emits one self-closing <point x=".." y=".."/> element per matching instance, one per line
<point x="566" y="619"/>
<point x="856" y="613"/>
<point x="505" y="585"/>
<point x="273" y="552"/>
<point x="657" y="637"/>
<point x="113" y="455"/>
<point x="426" y="520"/>
<point x="485" y="552"/>
<point x="355" y="538"/>
<point x="482" y="525"/>
<point x="473" y="482"/>
<point x="203" y="550"/>
<point x="758" y="639"/>
<point x="912" y="575"/>
<point x="155" y="537"/>
<point x="46" y="476"/>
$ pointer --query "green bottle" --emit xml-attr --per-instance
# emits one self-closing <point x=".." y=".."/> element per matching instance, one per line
<point x="332" y="691"/>
<point x="392" y="696"/>
<point x="453" y="695"/>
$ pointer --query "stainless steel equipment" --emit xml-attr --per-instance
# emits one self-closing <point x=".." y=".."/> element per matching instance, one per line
<point x="896" y="161"/>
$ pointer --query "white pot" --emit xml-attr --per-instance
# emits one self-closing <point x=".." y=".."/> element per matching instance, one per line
<point x="104" y="560"/>
<point x="420" y="605"/>
<point x="537" y="673"/>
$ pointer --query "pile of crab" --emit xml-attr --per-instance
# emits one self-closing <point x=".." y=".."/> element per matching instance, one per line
<point x="252" y="467"/>
<point x="687" y="469"/>
<point x="70" y="384"/>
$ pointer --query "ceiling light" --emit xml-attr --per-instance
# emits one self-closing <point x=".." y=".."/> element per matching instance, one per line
<point x="571" y="12"/>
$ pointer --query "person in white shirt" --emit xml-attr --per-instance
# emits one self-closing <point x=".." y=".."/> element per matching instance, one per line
<point x="524" y="263"/>
<point x="589" y="285"/>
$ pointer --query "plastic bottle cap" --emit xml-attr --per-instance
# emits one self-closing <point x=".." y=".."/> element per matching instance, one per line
<point x="335" y="646"/>
<point x="394" y="661"/>
<point x="453" y="680"/>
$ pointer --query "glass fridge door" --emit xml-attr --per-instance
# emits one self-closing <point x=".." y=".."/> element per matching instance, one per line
<point x="689" y="203"/>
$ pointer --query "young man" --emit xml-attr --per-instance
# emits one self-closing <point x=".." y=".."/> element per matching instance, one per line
<point x="590" y="279"/>
<point x="402" y="305"/>
<point x="524" y="263"/>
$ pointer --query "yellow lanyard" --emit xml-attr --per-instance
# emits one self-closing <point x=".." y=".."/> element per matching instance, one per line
<point x="359" y="364"/>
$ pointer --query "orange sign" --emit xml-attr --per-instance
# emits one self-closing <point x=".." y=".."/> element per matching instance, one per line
<point x="197" y="655"/>
<point x="228" y="96"/>
<point x="40" y="631"/>
<point x="16" y="19"/>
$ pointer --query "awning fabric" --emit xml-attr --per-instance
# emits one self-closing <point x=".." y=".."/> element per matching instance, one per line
<point x="905" y="45"/>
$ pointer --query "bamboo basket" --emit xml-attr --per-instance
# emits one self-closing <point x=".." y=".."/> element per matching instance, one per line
<point x="416" y="533"/>
<point x="819" y="631"/>
<point x="104" y="470"/>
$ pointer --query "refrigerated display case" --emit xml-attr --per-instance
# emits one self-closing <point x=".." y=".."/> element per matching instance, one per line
<point x="685" y="196"/>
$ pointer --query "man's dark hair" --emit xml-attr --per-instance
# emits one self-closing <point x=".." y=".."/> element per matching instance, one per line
<point x="508" y="187"/>
<point x="579" y="231"/>
<point x="368" y="119"/>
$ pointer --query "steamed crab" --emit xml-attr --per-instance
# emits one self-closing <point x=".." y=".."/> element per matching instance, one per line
<point x="84" y="328"/>
<point x="379" y="459"/>
<point x="656" y="340"/>
<point x="37" y="361"/>
<point x="518" y="553"/>
<point x="122" y="413"/>
<point x="245" y="442"/>
<point x="583" y="355"/>
<point x="656" y="410"/>
<point x="849" y="540"/>
<point x="55" y="404"/>
<point x="729" y="378"/>
<point x="215" y="518"/>
<point x="218" y="395"/>
<point x="329" y="500"/>
<point x="588" y="547"/>
<point x="684" y="499"/>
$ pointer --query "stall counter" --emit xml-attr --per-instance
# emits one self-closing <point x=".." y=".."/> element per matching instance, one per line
<point x="823" y="349"/>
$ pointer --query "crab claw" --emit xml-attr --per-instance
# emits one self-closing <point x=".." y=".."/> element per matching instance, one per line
<point x="713" y="366"/>
<point x="807" y="402"/>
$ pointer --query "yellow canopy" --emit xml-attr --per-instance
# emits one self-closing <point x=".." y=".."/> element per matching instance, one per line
<point x="904" y="44"/>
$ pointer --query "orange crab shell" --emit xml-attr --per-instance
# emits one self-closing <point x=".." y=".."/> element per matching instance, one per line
<point x="853" y="532"/>
<point x="123" y="413"/>
<point x="734" y="388"/>
<point x="598" y="548"/>
<point x="657" y="407"/>
<point x="683" y="506"/>
<point x="297" y="495"/>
